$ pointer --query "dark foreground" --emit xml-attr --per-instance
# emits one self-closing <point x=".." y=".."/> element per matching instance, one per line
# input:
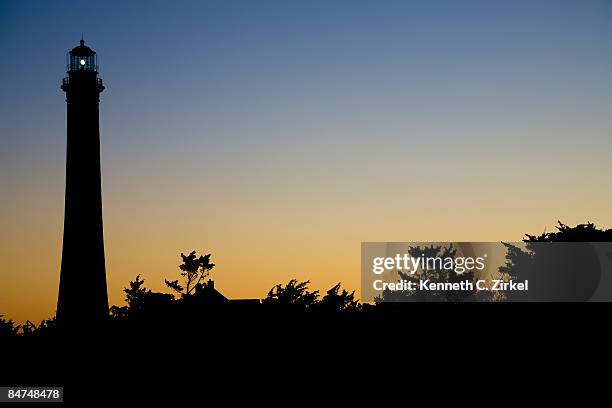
<point x="295" y="357"/>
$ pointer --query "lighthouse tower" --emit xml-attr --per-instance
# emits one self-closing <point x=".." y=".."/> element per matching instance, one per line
<point x="83" y="299"/>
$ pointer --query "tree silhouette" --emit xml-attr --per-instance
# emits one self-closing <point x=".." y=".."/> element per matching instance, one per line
<point x="28" y="328"/>
<point x="134" y="297"/>
<point x="336" y="301"/>
<point x="294" y="294"/>
<point x="46" y="326"/>
<point x="140" y="300"/>
<point x="567" y="271"/>
<point x="8" y="327"/>
<point x="580" y="233"/>
<point x="518" y="262"/>
<point x="194" y="270"/>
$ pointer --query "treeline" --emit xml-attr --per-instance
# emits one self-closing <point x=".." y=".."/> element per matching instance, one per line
<point x="194" y="299"/>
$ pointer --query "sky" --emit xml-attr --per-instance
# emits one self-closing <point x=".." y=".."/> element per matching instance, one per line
<point x="279" y="135"/>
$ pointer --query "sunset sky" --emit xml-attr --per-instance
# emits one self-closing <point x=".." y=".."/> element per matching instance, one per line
<point x="279" y="135"/>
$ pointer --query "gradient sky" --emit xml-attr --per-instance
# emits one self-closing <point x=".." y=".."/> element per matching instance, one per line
<point x="278" y="135"/>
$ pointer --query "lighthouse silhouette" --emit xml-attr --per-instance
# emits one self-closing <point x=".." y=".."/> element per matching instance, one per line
<point x="82" y="300"/>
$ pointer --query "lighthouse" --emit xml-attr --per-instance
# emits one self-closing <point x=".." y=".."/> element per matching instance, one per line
<point x="82" y="299"/>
